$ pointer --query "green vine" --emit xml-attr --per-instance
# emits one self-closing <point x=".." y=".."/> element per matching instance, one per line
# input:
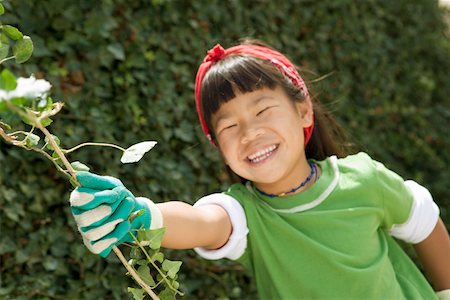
<point x="28" y="98"/>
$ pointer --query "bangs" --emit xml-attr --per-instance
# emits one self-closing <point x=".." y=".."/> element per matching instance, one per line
<point x="232" y="75"/>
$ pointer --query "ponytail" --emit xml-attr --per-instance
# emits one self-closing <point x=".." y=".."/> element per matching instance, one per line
<point x="328" y="137"/>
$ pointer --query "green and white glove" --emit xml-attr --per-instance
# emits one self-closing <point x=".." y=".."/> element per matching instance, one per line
<point x="101" y="207"/>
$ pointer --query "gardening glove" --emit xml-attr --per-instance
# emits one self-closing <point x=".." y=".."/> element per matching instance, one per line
<point x="101" y="207"/>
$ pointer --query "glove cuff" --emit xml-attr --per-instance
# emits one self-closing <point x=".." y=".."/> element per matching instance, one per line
<point x="155" y="213"/>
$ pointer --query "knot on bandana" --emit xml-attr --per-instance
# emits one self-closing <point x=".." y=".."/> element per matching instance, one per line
<point x="215" y="54"/>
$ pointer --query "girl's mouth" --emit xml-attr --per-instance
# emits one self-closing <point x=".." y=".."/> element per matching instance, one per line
<point x="262" y="155"/>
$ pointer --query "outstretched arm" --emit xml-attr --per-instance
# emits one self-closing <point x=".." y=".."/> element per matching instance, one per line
<point x="102" y="205"/>
<point x="434" y="253"/>
<point x="187" y="227"/>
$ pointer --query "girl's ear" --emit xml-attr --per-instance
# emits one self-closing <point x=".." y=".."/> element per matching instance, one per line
<point x="305" y="110"/>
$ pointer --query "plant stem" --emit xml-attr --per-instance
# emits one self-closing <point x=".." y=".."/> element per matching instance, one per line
<point x="164" y="277"/>
<point x="72" y="172"/>
<point x="58" y="150"/>
<point x="134" y="274"/>
<point x="6" y="59"/>
<point x="51" y="159"/>
<point x="94" y="144"/>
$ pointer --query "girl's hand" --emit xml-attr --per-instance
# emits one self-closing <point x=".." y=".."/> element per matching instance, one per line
<point x="102" y="208"/>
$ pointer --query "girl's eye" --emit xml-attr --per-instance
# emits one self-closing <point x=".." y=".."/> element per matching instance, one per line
<point x="227" y="127"/>
<point x="263" y="110"/>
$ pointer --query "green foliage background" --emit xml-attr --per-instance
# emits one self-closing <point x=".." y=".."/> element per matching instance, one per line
<point x="125" y="70"/>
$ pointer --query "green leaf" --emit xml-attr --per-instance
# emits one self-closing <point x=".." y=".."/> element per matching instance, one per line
<point x="138" y="294"/>
<point x="45" y="103"/>
<point x="25" y="119"/>
<point x="152" y="237"/>
<point x="117" y="51"/>
<point x="175" y="284"/>
<point x="158" y="256"/>
<point x="12" y="32"/>
<point x="46" y="121"/>
<point x="57" y="159"/>
<point x="32" y="140"/>
<point x="171" y="267"/>
<point x="78" y="166"/>
<point x="141" y="262"/>
<point x="144" y="273"/>
<point x="4" y="38"/>
<point x="23" y="49"/>
<point x="50" y="263"/>
<point x="167" y="294"/>
<point x="135" y="253"/>
<point x="20" y="101"/>
<point x="56" y="139"/>
<point x="8" y="81"/>
<point x="4" y="50"/>
<point x="2" y="9"/>
<point x="135" y="214"/>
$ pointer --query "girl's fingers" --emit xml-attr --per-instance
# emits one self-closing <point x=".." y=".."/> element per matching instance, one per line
<point x="97" y="182"/>
<point x="104" y="245"/>
<point x="86" y="198"/>
<point x="100" y="228"/>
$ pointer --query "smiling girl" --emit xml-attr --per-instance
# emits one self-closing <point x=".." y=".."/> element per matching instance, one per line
<point x="308" y="221"/>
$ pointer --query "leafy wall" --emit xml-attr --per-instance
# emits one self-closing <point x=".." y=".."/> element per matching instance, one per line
<point x="125" y="70"/>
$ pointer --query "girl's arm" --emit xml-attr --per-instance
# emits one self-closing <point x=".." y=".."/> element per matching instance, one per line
<point x="207" y="226"/>
<point x="434" y="253"/>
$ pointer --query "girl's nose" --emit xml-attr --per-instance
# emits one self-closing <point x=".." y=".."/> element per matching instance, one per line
<point x="251" y="133"/>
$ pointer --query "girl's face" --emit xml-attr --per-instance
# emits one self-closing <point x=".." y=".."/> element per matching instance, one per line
<point x="260" y="135"/>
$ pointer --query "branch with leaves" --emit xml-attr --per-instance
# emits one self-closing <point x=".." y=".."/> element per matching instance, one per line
<point x="29" y="99"/>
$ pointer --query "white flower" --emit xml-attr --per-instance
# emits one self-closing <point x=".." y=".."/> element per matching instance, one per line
<point x="135" y="152"/>
<point x="30" y="88"/>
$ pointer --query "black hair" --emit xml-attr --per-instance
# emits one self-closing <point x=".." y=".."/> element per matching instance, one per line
<point x="240" y="73"/>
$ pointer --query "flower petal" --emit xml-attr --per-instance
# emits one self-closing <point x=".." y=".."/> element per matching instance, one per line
<point x="27" y="88"/>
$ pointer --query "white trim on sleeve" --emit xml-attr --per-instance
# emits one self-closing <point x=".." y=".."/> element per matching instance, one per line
<point x="443" y="295"/>
<point x="237" y="243"/>
<point x="423" y="218"/>
<point x="316" y="202"/>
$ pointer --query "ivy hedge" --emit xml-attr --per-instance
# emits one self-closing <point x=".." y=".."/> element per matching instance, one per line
<point x="125" y="70"/>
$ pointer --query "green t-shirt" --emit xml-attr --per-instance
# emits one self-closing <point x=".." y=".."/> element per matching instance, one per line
<point x="331" y="241"/>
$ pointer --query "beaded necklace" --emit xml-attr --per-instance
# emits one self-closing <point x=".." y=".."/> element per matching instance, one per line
<point x="308" y="179"/>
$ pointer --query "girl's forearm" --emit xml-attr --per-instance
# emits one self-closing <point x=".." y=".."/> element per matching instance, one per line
<point x="434" y="253"/>
<point x="188" y="227"/>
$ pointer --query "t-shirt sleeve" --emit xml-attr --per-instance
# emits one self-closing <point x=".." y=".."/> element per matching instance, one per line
<point x="237" y="243"/>
<point x="410" y="213"/>
<point x="422" y="219"/>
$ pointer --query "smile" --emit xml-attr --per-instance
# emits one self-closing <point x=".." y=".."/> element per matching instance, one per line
<point x="262" y="154"/>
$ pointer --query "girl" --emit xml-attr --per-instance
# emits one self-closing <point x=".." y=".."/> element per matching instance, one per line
<point x="306" y="223"/>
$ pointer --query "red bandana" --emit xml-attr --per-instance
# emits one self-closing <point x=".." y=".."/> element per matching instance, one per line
<point x="276" y="58"/>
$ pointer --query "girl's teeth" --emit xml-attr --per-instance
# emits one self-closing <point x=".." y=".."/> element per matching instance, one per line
<point x="261" y="155"/>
